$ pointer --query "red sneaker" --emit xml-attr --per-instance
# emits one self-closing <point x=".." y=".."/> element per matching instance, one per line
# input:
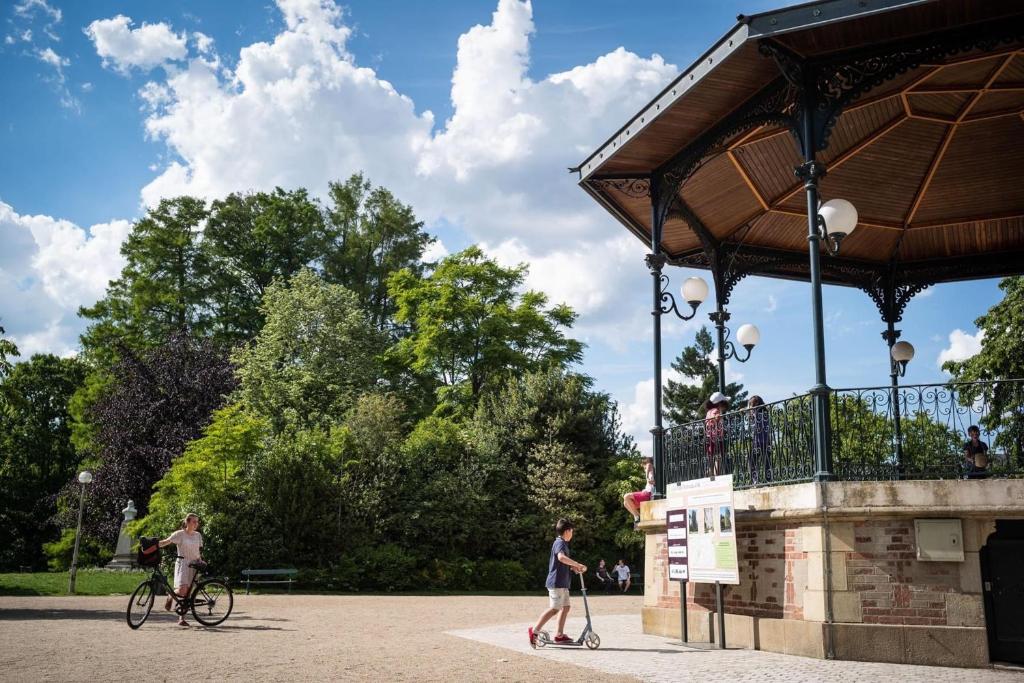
<point x="563" y="639"/>
<point x="533" y="638"/>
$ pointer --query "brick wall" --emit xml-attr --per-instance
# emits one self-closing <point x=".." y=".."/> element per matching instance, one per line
<point x="894" y="588"/>
<point x="773" y="574"/>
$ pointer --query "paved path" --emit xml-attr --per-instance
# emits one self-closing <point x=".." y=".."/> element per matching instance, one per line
<point x="626" y="650"/>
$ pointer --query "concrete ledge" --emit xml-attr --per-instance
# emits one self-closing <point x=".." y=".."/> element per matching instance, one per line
<point x="933" y="645"/>
<point x="786" y="636"/>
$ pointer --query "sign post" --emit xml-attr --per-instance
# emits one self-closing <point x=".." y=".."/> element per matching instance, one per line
<point x="705" y="547"/>
<point x="677" y="562"/>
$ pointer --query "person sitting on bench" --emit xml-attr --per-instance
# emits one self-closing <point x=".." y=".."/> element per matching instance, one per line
<point x="606" y="582"/>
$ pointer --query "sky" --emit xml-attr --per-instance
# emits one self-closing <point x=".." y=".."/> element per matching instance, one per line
<point x="470" y="110"/>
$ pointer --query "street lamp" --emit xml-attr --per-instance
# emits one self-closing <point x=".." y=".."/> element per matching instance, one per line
<point x="694" y="291"/>
<point x="84" y="478"/>
<point x="837" y="218"/>
<point x="902" y="353"/>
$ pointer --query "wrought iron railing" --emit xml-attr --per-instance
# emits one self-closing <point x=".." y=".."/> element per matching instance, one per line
<point x="871" y="440"/>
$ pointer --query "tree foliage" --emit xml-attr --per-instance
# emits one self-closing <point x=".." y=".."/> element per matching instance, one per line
<point x="315" y="354"/>
<point x="1001" y="358"/>
<point x="162" y="288"/>
<point x="36" y="455"/>
<point x="683" y="400"/>
<point x="376" y="235"/>
<point x="159" y="401"/>
<point x="471" y="327"/>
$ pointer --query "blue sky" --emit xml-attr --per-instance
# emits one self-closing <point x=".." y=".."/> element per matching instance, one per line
<point x="471" y="111"/>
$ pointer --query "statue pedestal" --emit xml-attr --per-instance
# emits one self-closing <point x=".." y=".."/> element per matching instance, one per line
<point x="124" y="558"/>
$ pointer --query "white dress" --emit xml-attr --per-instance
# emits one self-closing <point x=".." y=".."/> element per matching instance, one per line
<point x="188" y="545"/>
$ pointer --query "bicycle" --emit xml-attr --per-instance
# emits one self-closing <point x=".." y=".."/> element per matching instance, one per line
<point x="206" y="598"/>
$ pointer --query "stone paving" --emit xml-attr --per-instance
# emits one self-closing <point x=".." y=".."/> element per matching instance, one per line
<point x="625" y="649"/>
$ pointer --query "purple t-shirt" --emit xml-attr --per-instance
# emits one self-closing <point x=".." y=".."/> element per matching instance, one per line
<point x="559" y="574"/>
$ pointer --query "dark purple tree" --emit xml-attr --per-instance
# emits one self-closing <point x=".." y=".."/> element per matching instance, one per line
<point x="161" y="399"/>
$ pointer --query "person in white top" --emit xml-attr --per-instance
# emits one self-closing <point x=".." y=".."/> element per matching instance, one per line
<point x="622" y="572"/>
<point x="188" y="542"/>
<point x="631" y="501"/>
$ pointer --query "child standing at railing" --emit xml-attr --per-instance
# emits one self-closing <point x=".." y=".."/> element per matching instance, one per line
<point x="760" y="459"/>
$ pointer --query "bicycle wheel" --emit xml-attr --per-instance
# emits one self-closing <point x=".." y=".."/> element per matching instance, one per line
<point x="140" y="604"/>
<point x="212" y="602"/>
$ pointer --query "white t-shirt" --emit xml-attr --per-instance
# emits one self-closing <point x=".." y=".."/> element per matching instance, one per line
<point x="188" y="544"/>
<point x="622" y="570"/>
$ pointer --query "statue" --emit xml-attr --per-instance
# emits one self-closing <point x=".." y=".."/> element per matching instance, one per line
<point x="124" y="558"/>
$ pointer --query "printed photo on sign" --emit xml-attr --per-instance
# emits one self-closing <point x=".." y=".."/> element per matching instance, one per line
<point x="725" y="520"/>
<point x="709" y="520"/>
<point x="694" y="529"/>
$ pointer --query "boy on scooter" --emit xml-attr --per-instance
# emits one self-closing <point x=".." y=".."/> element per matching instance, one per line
<point x="559" y="567"/>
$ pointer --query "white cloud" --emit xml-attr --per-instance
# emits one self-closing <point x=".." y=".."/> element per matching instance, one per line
<point x="48" y="268"/>
<point x="28" y="7"/>
<point x="86" y="87"/>
<point x="204" y="43"/>
<point x="144" y="48"/>
<point x="58" y="80"/>
<point x="773" y="304"/>
<point x="435" y="252"/>
<point x="961" y="346"/>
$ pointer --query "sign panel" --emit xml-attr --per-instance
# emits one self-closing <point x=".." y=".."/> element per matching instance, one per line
<point x="677" y="552"/>
<point x="709" y="529"/>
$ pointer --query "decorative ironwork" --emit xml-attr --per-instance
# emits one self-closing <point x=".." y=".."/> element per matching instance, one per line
<point x="840" y="80"/>
<point x="772" y="444"/>
<point x="655" y="262"/>
<point x="668" y="302"/>
<point x="637" y="188"/>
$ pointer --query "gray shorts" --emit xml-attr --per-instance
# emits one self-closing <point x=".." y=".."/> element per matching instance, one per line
<point x="558" y="598"/>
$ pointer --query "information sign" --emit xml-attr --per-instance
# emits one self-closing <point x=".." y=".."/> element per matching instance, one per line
<point x="709" y="533"/>
<point x="677" y="558"/>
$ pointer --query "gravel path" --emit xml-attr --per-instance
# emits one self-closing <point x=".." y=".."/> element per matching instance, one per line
<point x="281" y="638"/>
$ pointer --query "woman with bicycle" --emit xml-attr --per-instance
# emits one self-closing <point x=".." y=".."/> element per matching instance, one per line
<point x="188" y="542"/>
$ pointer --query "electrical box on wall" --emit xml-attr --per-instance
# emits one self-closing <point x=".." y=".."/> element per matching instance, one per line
<point x="939" y="540"/>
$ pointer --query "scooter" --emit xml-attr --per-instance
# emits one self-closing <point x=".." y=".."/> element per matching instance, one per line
<point x="587" y="637"/>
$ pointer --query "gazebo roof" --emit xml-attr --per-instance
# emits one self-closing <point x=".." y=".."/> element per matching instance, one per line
<point x="928" y="143"/>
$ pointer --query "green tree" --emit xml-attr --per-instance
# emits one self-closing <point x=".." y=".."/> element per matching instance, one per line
<point x="375" y="235"/>
<point x="683" y="400"/>
<point x="559" y="483"/>
<point x="251" y="240"/>
<point x="471" y="327"/>
<point x="36" y="455"/>
<point x="1001" y="358"/>
<point x="315" y="354"/>
<point x="7" y="350"/>
<point x="163" y="286"/>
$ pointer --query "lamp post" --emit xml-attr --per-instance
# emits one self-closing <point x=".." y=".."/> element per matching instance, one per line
<point x="84" y="478"/>
<point x="747" y="335"/>
<point x="900" y="353"/>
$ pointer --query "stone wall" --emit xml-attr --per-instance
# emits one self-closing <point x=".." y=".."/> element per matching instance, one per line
<point x="885" y="604"/>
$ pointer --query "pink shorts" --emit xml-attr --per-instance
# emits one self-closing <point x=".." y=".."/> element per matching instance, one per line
<point x="641" y="496"/>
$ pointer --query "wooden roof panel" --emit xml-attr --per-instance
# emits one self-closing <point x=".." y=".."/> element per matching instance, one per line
<point x="965" y="239"/>
<point x="769" y="163"/>
<point x="995" y="102"/>
<point x="969" y="74"/>
<point x="720" y="197"/>
<point x="778" y="230"/>
<point x="946" y="105"/>
<point x="979" y="175"/>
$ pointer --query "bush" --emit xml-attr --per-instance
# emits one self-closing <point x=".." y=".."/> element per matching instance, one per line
<point x="388" y="568"/>
<point x="502" y="575"/>
<point x="91" y="553"/>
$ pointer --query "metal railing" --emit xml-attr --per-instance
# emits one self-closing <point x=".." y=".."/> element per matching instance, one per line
<point x="919" y="434"/>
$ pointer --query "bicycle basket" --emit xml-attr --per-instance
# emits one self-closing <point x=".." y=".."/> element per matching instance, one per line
<point x="149" y="552"/>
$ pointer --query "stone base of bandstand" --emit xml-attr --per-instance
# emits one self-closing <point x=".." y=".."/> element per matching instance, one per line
<point x="887" y="606"/>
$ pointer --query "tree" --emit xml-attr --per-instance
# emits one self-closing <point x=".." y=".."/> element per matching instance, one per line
<point x="315" y="354"/>
<point x="376" y="235"/>
<point x="162" y="288"/>
<point x="470" y="326"/>
<point x="159" y="401"/>
<point x="36" y="455"/>
<point x="1001" y="358"/>
<point x="250" y="241"/>
<point x="683" y="400"/>
<point x="7" y="349"/>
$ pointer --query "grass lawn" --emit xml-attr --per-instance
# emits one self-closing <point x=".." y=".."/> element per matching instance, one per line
<point x="87" y="582"/>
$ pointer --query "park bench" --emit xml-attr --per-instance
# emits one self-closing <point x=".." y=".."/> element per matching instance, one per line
<point x="247" y="575"/>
